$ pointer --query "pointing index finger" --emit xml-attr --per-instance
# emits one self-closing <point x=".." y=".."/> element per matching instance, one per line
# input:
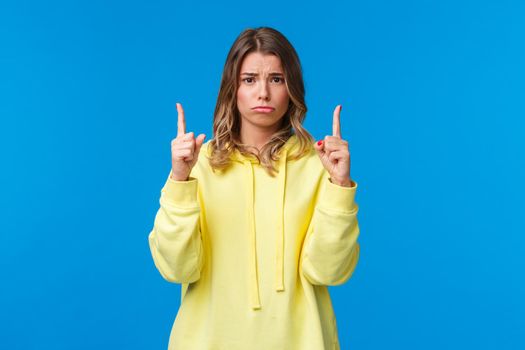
<point x="336" y="125"/>
<point x="181" y="123"/>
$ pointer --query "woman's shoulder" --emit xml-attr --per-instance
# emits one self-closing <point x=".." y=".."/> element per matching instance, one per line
<point x="308" y="154"/>
<point x="204" y="153"/>
<point x="205" y="149"/>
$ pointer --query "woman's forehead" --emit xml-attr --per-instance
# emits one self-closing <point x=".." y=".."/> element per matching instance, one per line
<point x="256" y="62"/>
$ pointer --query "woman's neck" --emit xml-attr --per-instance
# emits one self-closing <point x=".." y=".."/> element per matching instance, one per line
<point x="256" y="136"/>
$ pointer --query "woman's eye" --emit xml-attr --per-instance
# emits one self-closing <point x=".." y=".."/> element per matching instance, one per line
<point x="274" y="79"/>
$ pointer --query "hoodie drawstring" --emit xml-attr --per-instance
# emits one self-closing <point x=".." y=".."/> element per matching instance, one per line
<point x="279" y="272"/>
<point x="256" y="301"/>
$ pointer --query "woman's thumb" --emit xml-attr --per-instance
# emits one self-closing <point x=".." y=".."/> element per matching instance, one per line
<point x="198" y="143"/>
<point x="319" y="147"/>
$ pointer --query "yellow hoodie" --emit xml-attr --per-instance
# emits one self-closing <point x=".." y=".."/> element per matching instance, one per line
<point x="255" y="253"/>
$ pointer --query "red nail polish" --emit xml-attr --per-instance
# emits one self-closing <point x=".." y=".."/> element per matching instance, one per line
<point x="319" y="143"/>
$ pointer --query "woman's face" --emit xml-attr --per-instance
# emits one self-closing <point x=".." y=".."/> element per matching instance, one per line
<point x="261" y="83"/>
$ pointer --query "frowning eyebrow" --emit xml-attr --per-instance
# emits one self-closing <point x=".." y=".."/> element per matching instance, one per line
<point x="255" y="74"/>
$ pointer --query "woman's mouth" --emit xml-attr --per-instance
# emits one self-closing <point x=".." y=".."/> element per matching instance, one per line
<point x="262" y="109"/>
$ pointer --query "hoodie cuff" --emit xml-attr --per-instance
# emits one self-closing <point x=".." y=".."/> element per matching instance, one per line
<point x="338" y="198"/>
<point x="181" y="193"/>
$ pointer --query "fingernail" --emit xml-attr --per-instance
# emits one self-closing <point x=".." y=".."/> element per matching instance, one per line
<point x="319" y="143"/>
<point x="340" y="108"/>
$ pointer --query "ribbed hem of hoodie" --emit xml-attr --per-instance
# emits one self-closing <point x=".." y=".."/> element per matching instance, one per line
<point x="338" y="198"/>
<point x="181" y="193"/>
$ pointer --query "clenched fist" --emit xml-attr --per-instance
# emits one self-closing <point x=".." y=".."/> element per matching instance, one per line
<point x="185" y="149"/>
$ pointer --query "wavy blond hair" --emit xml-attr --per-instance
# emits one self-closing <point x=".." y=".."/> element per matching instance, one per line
<point x="226" y="120"/>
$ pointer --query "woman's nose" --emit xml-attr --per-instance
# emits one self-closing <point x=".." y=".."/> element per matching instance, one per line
<point x="264" y="92"/>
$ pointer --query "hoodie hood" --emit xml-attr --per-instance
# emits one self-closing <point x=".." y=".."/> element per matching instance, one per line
<point x="248" y="162"/>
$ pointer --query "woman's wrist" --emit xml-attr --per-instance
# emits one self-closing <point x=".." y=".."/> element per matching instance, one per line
<point x="344" y="183"/>
<point x="175" y="179"/>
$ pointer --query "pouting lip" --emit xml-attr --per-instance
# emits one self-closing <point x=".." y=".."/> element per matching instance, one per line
<point x="266" y="107"/>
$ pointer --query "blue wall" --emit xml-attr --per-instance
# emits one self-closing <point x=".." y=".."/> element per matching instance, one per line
<point x="433" y="108"/>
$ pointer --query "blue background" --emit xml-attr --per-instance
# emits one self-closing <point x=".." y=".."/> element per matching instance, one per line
<point x="433" y="108"/>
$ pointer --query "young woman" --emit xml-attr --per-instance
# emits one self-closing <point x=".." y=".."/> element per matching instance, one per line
<point x="257" y="222"/>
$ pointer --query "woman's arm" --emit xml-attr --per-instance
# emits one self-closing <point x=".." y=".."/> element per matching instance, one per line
<point x="175" y="241"/>
<point x="330" y="250"/>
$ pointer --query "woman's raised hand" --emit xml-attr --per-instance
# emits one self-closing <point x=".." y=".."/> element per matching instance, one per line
<point x="335" y="153"/>
<point x="185" y="149"/>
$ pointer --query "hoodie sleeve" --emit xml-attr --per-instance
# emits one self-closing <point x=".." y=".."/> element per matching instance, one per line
<point x="175" y="241"/>
<point x="331" y="250"/>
